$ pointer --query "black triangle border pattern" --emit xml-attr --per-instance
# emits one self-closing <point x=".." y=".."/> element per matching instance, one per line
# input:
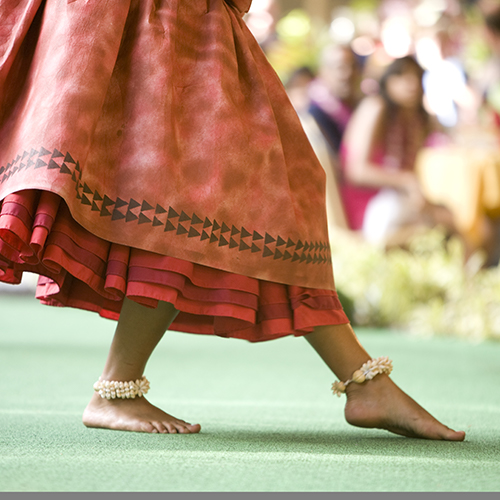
<point x="168" y="218"/>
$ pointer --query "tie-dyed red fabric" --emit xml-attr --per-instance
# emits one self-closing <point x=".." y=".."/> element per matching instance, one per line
<point x="134" y="130"/>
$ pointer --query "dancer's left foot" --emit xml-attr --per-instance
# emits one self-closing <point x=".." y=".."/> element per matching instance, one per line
<point x="380" y="403"/>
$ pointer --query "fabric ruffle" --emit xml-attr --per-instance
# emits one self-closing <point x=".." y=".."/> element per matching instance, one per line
<point x="78" y="269"/>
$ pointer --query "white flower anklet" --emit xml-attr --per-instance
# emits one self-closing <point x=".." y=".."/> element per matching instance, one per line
<point x="366" y="372"/>
<point x="111" y="389"/>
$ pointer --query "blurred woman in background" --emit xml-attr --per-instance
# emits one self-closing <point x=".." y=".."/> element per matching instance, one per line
<point x="380" y="190"/>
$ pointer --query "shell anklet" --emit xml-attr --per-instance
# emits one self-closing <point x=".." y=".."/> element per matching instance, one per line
<point x="369" y="370"/>
<point x="111" y="389"/>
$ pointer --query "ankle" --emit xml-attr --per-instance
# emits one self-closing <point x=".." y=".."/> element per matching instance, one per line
<point x="377" y="385"/>
<point x="368" y="371"/>
<point x="119" y="389"/>
<point x="122" y="373"/>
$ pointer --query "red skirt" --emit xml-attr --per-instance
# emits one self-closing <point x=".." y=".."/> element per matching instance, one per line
<point x="148" y="150"/>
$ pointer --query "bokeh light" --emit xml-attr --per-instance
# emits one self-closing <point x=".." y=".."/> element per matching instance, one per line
<point x="294" y="25"/>
<point x="396" y="37"/>
<point x="363" y="46"/>
<point x="427" y="52"/>
<point x="428" y="12"/>
<point x="260" y="24"/>
<point x="342" y="30"/>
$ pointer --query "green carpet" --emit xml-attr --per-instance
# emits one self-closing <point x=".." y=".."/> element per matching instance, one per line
<point x="269" y="421"/>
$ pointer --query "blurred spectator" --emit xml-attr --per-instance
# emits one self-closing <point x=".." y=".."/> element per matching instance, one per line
<point x="335" y="93"/>
<point x="445" y="82"/>
<point x="487" y="83"/>
<point x="380" y="191"/>
<point x="325" y="105"/>
<point x="297" y="88"/>
<point x="489" y="80"/>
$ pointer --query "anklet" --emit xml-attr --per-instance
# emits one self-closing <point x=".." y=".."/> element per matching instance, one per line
<point x="366" y="372"/>
<point x="111" y="389"/>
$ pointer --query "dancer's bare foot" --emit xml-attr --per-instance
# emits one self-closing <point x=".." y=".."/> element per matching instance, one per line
<point x="137" y="415"/>
<point x="380" y="403"/>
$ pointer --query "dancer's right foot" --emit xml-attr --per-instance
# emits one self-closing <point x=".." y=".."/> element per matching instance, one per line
<point x="137" y="415"/>
<point x="380" y="403"/>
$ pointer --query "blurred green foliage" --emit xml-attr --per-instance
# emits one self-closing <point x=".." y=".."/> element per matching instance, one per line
<point x="425" y="289"/>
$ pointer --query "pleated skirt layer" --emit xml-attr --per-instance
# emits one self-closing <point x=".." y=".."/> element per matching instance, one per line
<point x="78" y="269"/>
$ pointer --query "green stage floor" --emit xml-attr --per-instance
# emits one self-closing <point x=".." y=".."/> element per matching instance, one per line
<point x="269" y="421"/>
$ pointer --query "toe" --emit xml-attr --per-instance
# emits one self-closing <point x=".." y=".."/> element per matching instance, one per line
<point x="452" y="435"/>
<point x="194" y="429"/>
<point x="182" y="428"/>
<point x="171" y="428"/>
<point x="147" y="427"/>
<point x="160" y="427"/>
<point x="442" y="432"/>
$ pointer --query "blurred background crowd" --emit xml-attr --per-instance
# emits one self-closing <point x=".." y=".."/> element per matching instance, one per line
<point x="378" y="82"/>
<point x="401" y="102"/>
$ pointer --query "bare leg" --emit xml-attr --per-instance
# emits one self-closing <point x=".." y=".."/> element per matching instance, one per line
<point x="378" y="403"/>
<point x="138" y="332"/>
